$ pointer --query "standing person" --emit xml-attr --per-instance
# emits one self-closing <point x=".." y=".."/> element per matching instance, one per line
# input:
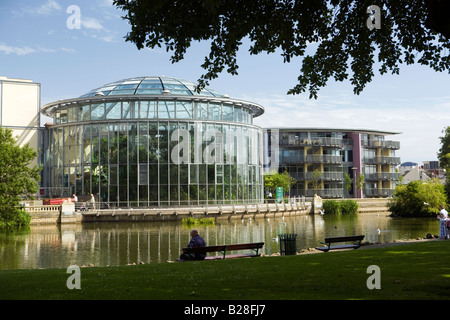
<point x="196" y="241"/>
<point x="442" y="227"/>
<point x="444" y="212"/>
<point x="75" y="200"/>
<point x="93" y="201"/>
<point x="443" y="217"/>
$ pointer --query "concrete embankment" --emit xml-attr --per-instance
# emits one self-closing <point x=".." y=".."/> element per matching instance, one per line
<point x="61" y="214"/>
<point x="65" y="213"/>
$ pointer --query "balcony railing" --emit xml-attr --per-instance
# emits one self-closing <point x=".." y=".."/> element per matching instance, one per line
<point x="326" y="193"/>
<point x="324" y="142"/>
<point x="378" y="192"/>
<point x="382" y="176"/>
<point x="382" y="144"/>
<point x="323" y="159"/>
<point x="382" y="160"/>
<point x="325" y="176"/>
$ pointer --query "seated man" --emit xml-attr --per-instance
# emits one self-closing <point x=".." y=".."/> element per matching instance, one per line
<point x="196" y="241"/>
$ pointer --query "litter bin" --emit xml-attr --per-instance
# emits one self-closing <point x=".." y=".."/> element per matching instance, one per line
<point x="288" y="245"/>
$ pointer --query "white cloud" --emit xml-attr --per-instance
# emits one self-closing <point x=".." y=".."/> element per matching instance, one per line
<point x="45" y="9"/>
<point x="48" y="8"/>
<point x="22" y="51"/>
<point x="91" y="23"/>
<point x="420" y="128"/>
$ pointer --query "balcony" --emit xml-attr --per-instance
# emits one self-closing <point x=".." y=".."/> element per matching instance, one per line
<point x="395" y="145"/>
<point x="382" y="160"/>
<point x="325" y="176"/>
<point x="323" y="159"/>
<point x="326" y="193"/>
<point x="382" y="176"/>
<point x="385" y="193"/>
<point x="319" y="142"/>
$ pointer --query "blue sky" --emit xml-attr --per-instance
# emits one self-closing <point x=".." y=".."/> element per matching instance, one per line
<point x="37" y="44"/>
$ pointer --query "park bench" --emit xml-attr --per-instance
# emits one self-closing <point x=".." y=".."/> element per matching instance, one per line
<point x="225" y="249"/>
<point x="328" y="241"/>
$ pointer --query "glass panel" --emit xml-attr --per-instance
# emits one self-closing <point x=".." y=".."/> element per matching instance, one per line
<point x="238" y="114"/>
<point x="227" y="112"/>
<point x="113" y="110"/>
<point x="166" y="109"/>
<point x="120" y="92"/>
<point x="174" y="86"/>
<point x="85" y="113"/>
<point x="129" y="110"/>
<point x="148" y="110"/>
<point x="184" y="109"/>
<point x="151" y="85"/>
<point x="201" y="110"/>
<point x="127" y="86"/>
<point x="98" y="111"/>
<point x="63" y="116"/>
<point x="215" y="111"/>
<point x="149" y="91"/>
<point x="181" y="92"/>
<point x="72" y="114"/>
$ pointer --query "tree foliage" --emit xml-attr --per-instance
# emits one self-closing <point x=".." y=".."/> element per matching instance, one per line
<point x="17" y="179"/>
<point x="418" y="198"/>
<point x="444" y="157"/>
<point x="274" y="180"/>
<point x="340" y="207"/>
<point x="346" y="47"/>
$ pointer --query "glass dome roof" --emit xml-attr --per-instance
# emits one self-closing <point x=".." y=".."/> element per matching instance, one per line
<point x="151" y="85"/>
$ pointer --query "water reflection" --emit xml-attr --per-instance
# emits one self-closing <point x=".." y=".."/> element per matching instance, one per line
<point x="124" y="243"/>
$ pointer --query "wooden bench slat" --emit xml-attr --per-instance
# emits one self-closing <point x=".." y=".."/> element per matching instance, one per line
<point x="328" y="241"/>
<point x="226" y="248"/>
<point x="343" y="239"/>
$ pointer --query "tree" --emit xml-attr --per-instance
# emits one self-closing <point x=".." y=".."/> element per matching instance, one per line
<point x="418" y="198"/>
<point x="444" y="157"/>
<point x="17" y="179"/>
<point x="274" y="180"/>
<point x="410" y="31"/>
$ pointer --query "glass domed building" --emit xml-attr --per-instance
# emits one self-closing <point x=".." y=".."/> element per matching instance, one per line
<point x="155" y="141"/>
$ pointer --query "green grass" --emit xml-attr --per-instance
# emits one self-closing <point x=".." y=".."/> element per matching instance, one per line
<point x="410" y="271"/>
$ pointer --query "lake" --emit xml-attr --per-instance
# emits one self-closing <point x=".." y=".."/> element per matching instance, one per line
<point x="102" y="244"/>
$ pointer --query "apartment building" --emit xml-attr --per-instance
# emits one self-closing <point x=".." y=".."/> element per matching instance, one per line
<point x="334" y="162"/>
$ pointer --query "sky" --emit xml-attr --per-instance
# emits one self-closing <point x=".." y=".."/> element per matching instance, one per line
<point x="39" y="42"/>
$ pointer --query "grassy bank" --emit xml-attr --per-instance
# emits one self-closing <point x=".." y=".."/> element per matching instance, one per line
<point x="410" y="271"/>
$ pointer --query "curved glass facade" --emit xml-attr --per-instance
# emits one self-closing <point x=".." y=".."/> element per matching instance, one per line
<point x="155" y="150"/>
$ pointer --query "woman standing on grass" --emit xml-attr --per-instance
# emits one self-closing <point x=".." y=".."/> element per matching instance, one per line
<point x="443" y="216"/>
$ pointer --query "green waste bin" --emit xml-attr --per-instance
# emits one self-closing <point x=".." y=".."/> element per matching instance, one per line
<point x="288" y="245"/>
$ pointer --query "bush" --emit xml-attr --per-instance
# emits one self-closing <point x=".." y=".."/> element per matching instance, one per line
<point x="418" y="199"/>
<point x="331" y="207"/>
<point x="16" y="219"/>
<point x="190" y="221"/>
<point x="340" y="207"/>
<point x="349" y="206"/>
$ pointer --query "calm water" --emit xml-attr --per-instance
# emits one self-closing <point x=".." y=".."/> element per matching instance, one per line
<point x="122" y="243"/>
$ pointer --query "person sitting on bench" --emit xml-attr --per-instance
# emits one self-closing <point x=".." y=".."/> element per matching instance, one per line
<point x="196" y="241"/>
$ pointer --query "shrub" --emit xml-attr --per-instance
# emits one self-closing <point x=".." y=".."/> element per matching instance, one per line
<point x="331" y="207"/>
<point x="190" y="221"/>
<point x="340" y="207"/>
<point x="418" y="198"/>
<point x="349" y="206"/>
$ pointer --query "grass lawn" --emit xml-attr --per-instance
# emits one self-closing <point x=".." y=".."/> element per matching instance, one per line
<point x="409" y="271"/>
